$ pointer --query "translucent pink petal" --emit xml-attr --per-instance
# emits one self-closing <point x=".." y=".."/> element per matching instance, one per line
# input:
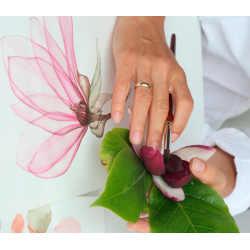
<point x="20" y="46"/>
<point x="63" y="165"/>
<point x="137" y="148"/>
<point x="176" y="194"/>
<point x="40" y="35"/>
<point x="30" y="141"/>
<point x="33" y="138"/>
<point x="29" y="114"/>
<point x="56" y="127"/>
<point x="66" y="26"/>
<point x="189" y="152"/>
<point x="52" y="151"/>
<point x="27" y="83"/>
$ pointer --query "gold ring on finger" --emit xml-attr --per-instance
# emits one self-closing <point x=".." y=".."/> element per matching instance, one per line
<point x="143" y="84"/>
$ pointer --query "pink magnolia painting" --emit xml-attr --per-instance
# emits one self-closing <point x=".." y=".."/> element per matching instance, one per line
<point x="53" y="96"/>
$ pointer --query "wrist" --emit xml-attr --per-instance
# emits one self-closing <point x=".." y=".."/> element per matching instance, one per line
<point x="157" y="21"/>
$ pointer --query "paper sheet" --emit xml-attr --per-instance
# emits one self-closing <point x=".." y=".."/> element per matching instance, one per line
<point x="72" y="216"/>
<point x="20" y="190"/>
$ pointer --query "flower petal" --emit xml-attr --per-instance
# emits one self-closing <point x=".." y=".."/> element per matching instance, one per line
<point x="176" y="194"/>
<point x="52" y="151"/>
<point x="104" y="97"/>
<point x="66" y="26"/>
<point x="137" y="148"/>
<point x="63" y="165"/>
<point x="189" y="152"/>
<point x="38" y="145"/>
<point x="96" y="82"/>
<point x="29" y="114"/>
<point x="84" y="84"/>
<point x="153" y="160"/>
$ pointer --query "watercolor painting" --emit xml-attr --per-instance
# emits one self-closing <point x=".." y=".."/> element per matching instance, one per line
<point x="73" y="216"/>
<point x="53" y="96"/>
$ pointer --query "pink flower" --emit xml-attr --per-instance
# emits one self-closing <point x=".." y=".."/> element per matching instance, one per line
<point x="155" y="163"/>
<point x="53" y="96"/>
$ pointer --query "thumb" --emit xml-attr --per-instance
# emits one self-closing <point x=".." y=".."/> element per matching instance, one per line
<point x="208" y="174"/>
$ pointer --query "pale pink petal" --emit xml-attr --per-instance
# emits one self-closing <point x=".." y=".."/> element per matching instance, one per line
<point x="63" y="165"/>
<point x="69" y="225"/>
<point x="137" y="148"/>
<point x="200" y="151"/>
<point x="104" y="97"/>
<point x="20" y="46"/>
<point x="40" y="35"/>
<point x="66" y="26"/>
<point x="52" y="151"/>
<point x="100" y="129"/>
<point x="176" y="194"/>
<point x="29" y="114"/>
<point x="33" y="138"/>
<point x="56" y="127"/>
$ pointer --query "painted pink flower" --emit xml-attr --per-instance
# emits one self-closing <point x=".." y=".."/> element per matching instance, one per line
<point x="154" y="162"/>
<point x="69" y="225"/>
<point x="55" y="99"/>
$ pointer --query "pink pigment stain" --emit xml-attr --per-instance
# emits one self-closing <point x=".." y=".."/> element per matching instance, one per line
<point x="69" y="225"/>
<point x="18" y="224"/>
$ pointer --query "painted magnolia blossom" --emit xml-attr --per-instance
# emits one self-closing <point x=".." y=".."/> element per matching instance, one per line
<point x="55" y="99"/>
<point x="167" y="178"/>
<point x="39" y="219"/>
<point x="69" y="225"/>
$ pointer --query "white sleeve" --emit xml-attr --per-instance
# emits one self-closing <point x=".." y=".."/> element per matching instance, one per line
<point x="237" y="144"/>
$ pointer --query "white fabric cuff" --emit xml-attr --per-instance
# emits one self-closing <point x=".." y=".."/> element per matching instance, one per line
<point x="237" y="144"/>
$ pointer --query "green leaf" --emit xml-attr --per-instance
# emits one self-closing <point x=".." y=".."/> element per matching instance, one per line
<point x="202" y="211"/>
<point x="126" y="186"/>
<point x="113" y="142"/>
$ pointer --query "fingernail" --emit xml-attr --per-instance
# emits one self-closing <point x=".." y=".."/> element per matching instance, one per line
<point x="174" y="137"/>
<point x="136" y="138"/>
<point x="116" y="117"/>
<point x="198" y="165"/>
<point x="154" y="145"/>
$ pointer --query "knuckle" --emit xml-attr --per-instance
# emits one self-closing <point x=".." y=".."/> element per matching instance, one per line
<point x="188" y="102"/>
<point x="156" y="134"/>
<point x="144" y="96"/>
<point x="121" y="85"/>
<point x="161" y="107"/>
<point x="128" y="56"/>
<point x="165" y="63"/>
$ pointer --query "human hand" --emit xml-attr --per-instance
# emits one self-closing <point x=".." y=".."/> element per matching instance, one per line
<point x="218" y="172"/>
<point x="142" y="55"/>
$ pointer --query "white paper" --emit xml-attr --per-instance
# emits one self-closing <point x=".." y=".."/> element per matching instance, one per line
<point x="85" y="219"/>
<point x="21" y="191"/>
